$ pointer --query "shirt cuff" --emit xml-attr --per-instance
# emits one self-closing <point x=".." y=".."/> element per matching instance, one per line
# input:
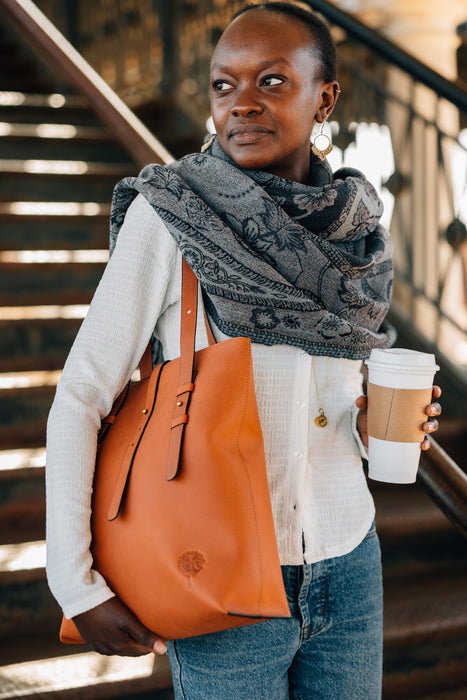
<point x="356" y="434"/>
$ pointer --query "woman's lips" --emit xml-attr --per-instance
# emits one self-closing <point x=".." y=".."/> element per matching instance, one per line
<point x="248" y="133"/>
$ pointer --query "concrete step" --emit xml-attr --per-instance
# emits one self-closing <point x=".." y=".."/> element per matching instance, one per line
<point x="436" y="678"/>
<point x="60" y="141"/>
<point x="442" y="693"/>
<point x="36" y="344"/>
<point x="41" y="210"/>
<point x="425" y="638"/>
<point x="416" y="537"/>
<point x="47" y="167"/>
<point x="418" y="609"/>
<point x="45" y="108"/>
<point x="85" y="676"/>
<point x="22" y="505"/>
<point x="76" y="180"/>
<point x="48" y="133"/>
<point x="435" y="669"/>
<point x="72" y="232"/>
<point x="48" y="283"/>
<point x="26" y="604"/>
<point x="23" y="416"/>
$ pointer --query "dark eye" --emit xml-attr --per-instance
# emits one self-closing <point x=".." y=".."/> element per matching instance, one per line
<point x="221" y="86"/>
<point x="272" y="80"/>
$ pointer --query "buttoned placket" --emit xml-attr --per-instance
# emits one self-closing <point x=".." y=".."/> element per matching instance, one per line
<point x="299" y="443"/>
<point x="307" y="486"/>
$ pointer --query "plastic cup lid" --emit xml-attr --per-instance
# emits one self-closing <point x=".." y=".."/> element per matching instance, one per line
<point x="402" y="358"/>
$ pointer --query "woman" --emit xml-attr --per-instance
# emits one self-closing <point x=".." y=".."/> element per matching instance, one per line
<point x="312" y="277"/>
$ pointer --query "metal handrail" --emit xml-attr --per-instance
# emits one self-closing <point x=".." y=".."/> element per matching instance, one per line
<point x="140" y="143"/>
<point x="453" y="90"/>
<point x="445" y="483"/>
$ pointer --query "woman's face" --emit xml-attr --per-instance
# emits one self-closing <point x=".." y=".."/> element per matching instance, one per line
<point x="265" y="94"/>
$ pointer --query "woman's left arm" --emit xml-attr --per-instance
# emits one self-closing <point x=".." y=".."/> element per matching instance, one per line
<point x="430" y="426"/>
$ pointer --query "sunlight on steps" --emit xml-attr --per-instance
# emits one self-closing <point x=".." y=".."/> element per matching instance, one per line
<point x="54" y="208"/>
<point x="51" y="131"/>
<point x="10" y="98"/>
<point x="54" y="256"/>
<point x="42" y="131"/>
<point x="22" y="313"/>
<point x="23" y="556"/>
<point x="79" y="671"/>
<point x="27" y="380"/>
<point x="45" y="167"/>
<point x="24" y="458"/>
<point x="61" y="167"/>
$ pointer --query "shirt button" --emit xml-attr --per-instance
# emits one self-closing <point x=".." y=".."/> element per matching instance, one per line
<point x="298" y="454"/>
<point x="301" y="404"/>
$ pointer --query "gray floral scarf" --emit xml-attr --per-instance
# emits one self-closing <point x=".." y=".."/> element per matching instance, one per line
<point x="278" y="261"/>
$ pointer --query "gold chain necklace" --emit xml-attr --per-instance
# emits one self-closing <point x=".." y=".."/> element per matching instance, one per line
<point x="321" y="421"/>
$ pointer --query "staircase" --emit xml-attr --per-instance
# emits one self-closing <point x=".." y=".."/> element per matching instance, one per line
<point x="425" y="584"/>
<point x="58" y="165"/>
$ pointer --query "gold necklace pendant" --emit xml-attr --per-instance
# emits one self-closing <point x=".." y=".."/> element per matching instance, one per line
<point x="321" y="421"/>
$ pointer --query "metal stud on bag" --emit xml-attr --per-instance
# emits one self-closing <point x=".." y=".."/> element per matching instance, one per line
<point x="321" y="144"/>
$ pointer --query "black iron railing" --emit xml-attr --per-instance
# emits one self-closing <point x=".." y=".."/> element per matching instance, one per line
<point x="424" y="112"/>
<point x="385" y="85"/>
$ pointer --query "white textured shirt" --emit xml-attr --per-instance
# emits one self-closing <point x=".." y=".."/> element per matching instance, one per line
<point x="320" y="500"/>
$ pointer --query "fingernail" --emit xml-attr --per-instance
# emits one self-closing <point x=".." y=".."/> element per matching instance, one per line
<point x="160" y="647"/>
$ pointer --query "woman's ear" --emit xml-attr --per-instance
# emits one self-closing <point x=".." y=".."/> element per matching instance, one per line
<point x="329" y="96"/>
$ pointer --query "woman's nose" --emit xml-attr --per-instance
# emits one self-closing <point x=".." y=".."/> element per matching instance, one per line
<point x="246" y="102"/>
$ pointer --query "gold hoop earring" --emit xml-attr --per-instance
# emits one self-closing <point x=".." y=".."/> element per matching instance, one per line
<point x="321" y="144"/>
<point x="208" y="143"/>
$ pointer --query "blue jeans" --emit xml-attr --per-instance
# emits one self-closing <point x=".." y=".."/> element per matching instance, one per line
<point x="330" y="649"/>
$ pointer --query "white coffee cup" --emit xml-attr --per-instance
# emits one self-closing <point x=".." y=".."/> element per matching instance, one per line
<point x="399" y="389"/>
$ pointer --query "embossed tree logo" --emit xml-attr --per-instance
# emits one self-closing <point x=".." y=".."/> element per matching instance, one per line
<point x="191" y="563"/>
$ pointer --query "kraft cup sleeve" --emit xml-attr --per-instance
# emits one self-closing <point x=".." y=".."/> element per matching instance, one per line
<point x="397" y="415"/>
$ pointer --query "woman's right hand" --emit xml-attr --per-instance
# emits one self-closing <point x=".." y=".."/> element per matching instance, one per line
<point x="112" y="629"/>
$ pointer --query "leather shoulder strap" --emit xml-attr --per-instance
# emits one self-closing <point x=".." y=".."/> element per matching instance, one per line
<point x="190" y="295"/>
<point x="186" y="376"/>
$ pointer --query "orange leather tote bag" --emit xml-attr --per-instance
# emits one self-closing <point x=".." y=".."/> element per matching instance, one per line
<point x="182" y="526"/>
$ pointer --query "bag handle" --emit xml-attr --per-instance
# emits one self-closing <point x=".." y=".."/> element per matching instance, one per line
<point x="145" y="364"/>
<point x="186" y="384"/>
<point x="189" y="312"/>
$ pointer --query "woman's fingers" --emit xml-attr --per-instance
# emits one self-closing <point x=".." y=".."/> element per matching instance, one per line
<point x="436" y="392"/>
<point x="425" y="445"/>
<point x="361" y="402"/>
<point x="433" y="409"/>
<point x="362" y="423"/>
<point x="112" y="629"/>
<point x="430" y="426"/>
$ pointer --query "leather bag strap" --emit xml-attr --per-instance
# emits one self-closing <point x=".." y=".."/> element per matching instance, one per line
<point x="186" y="377"/>
<point x="125" y="466"/>
<point x="145" y="364"/>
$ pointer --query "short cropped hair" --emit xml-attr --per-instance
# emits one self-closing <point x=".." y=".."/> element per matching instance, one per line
<point x="323" y="43"/>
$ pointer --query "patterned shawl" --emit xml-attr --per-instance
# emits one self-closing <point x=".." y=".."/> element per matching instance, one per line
<point x="307" y="265"/>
